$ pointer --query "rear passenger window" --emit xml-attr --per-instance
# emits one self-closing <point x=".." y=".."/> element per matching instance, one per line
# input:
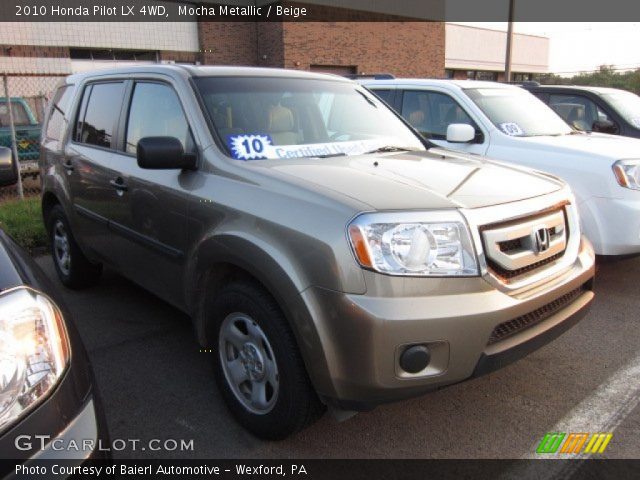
<point x="156" y="112"/>
<point x="96" y="123"/>
<point x="59" y="106"/>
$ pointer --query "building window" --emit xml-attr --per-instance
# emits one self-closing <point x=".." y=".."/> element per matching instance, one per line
<point x="522" y="77"/>
<point x="487" y="76"/>
<point x="112" y="54"/>
<point x="448" y="73"/>
<point x="481" y="75"/>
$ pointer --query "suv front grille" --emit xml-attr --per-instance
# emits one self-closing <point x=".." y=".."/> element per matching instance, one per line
<point x="506" y="275"/>
<point x="511" y="327"/>
<point x="520" y="247"/>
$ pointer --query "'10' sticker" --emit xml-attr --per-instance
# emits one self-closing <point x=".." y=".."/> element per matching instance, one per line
<point x="249" y="147"/>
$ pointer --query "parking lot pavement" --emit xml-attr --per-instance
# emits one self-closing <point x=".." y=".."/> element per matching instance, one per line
<point x="156" y="384"/>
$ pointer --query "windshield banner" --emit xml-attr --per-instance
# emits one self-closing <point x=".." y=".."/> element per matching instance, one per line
<point x="261" y="147"/>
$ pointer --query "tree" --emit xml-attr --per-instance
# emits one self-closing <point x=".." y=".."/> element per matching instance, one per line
<point x="605" y="76"/>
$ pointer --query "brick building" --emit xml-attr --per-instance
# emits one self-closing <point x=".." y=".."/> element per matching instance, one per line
<point x="395" y="45"/>
<point x="401" y="47"/>
<point x="404" y="48"/>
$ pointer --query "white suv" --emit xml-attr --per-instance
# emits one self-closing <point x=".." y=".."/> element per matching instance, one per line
<point x="505" y="122"/>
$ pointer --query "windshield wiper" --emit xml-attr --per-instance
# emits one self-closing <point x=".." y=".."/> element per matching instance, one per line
<point x="329" y="155"/>
<point x="389" y="148"/>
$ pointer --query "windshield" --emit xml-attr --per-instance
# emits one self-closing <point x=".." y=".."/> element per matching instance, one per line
<point x="626" y="104"/>
<point x="518" y="113"/>
<point x="267" y="117"/>
<point x="20" y="115"/>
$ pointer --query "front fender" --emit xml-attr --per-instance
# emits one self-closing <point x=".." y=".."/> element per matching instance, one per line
<point x="283" y="280"/>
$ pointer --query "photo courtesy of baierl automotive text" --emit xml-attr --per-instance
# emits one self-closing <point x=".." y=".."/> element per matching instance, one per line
<point x="328" y="239"/>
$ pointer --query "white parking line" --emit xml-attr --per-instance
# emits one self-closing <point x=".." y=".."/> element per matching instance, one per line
<point x="605" y="409"/>
<point x="602" y="411"/>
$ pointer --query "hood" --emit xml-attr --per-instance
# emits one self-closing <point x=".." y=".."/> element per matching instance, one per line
<point x="418" y="180"/>
<point x="611" y="147"/>
<point x="14" y="270"/>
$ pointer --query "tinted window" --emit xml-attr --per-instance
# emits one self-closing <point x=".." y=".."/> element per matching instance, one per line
<point x="20" y="115"/>
<point x="431" y="113"/>
<point x="577" y="110"/>
<point x="59" y="105"/>
<point x="383" y="94"/>
<point x="155" y="112"/>
<point x="102" y="110"/>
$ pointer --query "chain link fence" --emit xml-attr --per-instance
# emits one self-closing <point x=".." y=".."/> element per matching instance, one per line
<point x="23" y="102"/>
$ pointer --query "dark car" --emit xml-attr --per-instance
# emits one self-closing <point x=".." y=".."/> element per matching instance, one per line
<point x="593" y="109"/>
<point x="48" y="398"/>
<point x="27" y="132"/>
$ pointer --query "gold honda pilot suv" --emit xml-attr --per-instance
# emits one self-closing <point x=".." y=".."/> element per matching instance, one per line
<point x="327" y="254"/>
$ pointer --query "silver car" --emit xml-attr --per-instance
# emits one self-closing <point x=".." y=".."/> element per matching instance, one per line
<point x="326" y="253"/>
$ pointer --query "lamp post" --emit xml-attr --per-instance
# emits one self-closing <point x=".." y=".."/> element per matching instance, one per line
<point x="507" y="61"/>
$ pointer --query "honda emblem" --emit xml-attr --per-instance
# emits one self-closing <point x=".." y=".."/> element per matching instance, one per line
<point x="541" y="240"/>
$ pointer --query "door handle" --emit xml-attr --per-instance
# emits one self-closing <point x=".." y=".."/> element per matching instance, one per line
<point x="119" y="184"/>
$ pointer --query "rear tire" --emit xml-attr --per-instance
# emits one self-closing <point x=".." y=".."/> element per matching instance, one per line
<point x="257" y="365"/>
<point x="73" y="268"/>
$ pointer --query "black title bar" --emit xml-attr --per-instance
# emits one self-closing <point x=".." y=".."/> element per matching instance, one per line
<point x="317" y="10"/>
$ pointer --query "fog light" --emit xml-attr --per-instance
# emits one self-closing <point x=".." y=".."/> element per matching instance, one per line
<point x="415" y="358"/>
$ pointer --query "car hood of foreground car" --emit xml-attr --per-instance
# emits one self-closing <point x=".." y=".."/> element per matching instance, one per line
<point x="14" y="270"/>
<point x="593" y="145"/>
<point x="419" y="180"/>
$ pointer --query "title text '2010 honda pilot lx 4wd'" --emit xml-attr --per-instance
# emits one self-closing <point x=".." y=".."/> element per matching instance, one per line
<point x="326" y="253"/>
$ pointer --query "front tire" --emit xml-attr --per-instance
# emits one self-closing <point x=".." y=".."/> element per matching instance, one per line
<point x="257" y="365"/>
<point x="73" y="268"/>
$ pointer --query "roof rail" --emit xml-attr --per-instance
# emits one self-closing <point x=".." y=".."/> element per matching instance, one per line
<point x="372" y="76"/>
<point x="525" y="83"/>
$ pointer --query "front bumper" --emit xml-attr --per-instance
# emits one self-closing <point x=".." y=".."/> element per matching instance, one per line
<point x="78" y="442"/>
<point x="364" y="335"/>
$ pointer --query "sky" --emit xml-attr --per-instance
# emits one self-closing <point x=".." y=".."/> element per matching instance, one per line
<point x="582" y="46"/>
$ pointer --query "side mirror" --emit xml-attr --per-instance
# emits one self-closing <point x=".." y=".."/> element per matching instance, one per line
<point x="8" y="168"/>
<point x="163" y="153"/>
<point x="460" y="133"/>
<point x="604" y="126"/>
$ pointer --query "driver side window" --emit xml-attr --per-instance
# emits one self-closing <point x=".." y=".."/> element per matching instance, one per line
<point x="579" y="112"/>
<point x="156" y="111"/>
<point x="431" y="113"/>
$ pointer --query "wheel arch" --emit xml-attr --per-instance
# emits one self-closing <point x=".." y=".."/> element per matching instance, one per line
<point x="227" y="258"/>
<point x="49" y="200"/>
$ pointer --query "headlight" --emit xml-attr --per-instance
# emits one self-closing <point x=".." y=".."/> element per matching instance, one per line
<point x="414" y="243"/>
<point x="34" y="351"/>
<point x="627" y="173"/>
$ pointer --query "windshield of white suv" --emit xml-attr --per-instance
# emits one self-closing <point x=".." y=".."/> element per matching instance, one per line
<point x="626" y="104"/>
<point x="518" y="113"/>
<point x="273" y="117"/>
